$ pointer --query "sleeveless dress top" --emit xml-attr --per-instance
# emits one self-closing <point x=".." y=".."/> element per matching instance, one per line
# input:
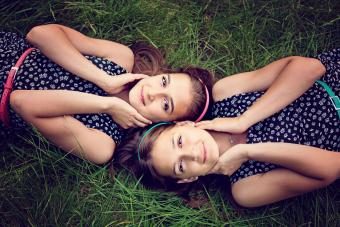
<point x="39" y="73"/>
<point x="310" y="120"/>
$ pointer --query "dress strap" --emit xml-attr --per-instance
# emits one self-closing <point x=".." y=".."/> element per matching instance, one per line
<point x="334" y="98"/>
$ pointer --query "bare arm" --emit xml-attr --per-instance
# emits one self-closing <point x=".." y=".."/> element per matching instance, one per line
<point x="66" y="47"/>
<point x="307" y="160"/>
<point x="257" y="80"/>
<point x="306" y="168"/>
<point x="284" y="81"/>
<point x="56" y="103"/>
<point x="49" y="113"/>
<point x="273" y="186"/>
<point x="74" y="137"/>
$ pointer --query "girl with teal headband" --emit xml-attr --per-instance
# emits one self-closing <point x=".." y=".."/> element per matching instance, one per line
<point x="147" y="132"/>
<point x="293" y="151"/>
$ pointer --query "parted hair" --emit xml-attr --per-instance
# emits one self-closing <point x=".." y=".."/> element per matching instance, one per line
<point x="149" y="60"/>
<point x="126" y="156"/>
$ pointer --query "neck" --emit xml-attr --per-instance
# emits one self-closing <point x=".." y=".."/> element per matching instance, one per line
<point x="123" y="95"/>
<point x="226" y="140"/>
<point x="222" y="140"/>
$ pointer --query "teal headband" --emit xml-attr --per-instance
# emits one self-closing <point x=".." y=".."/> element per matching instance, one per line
<point x="147" y="132"/>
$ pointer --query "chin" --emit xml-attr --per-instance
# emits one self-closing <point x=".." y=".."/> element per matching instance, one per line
<point x="214" y="152"/>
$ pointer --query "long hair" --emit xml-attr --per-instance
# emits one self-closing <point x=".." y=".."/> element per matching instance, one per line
<point x="126" y="156"/>
<point x="149" y="60"/>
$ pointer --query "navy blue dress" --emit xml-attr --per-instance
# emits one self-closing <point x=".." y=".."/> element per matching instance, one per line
<point x="40" y="73"/>
<point x="310" y="120"/>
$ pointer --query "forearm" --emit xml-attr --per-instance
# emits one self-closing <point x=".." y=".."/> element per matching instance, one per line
<point x="296" y="77"/>
<point x="53" y="103"/>
<point x="306" y="160"/>
<point x="53" y="42"/>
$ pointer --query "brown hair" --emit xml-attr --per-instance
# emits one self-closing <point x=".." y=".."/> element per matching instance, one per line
<point x="127" y="157"/>
<point x="149" y="60"/>
<point x="199" y="79"/>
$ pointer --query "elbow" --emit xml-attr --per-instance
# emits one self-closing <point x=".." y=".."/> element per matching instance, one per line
<point x="313" y="67"/>
<point x="34" y="33"/>
<point x="40" y="32"/>
<point x="17" y="101"/>
<point x="103" y="158"/>
<point x="329" y="178"/>
<point x="102" y="152"/>
<point x="317" y="68"/>
<point x="242" y="197"/>
<point x="243" y="200"/>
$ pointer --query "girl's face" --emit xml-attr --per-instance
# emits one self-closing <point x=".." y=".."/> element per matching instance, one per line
<point x="184" y="152"/>
<point x="164" y="97"/>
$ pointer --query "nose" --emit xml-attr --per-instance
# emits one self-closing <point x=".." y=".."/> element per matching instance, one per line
<point x="193" y="153"/>
<point x="154" y="93"/>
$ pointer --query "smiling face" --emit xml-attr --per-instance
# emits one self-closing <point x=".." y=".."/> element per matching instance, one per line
<point x="183" y="152"/>
<point x="164" y="97"/>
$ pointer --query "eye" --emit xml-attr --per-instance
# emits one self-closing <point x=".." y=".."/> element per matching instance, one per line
<point x="179" y="142"/>
<point x="180" y="166"/>
<point x="164" y="82"/>
<point x="165" y="104"/>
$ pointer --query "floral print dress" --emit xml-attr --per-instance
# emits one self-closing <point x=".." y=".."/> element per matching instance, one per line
<point x="310" y="120"/>
<point x="39" y="73"/>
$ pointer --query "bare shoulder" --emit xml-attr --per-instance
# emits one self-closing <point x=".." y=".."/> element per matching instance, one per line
<point x="119" y="53"/>
<point x="233" y="85"/>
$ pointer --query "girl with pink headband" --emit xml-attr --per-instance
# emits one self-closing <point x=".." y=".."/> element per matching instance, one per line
<point x="68" y="87"/>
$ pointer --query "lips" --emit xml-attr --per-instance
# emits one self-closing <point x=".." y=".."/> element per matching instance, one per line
<point x="142" y="96"/>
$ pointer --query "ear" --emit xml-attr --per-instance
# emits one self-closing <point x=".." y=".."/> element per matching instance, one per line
<point x="182" y="123"/>
<point x="187" y="180"/>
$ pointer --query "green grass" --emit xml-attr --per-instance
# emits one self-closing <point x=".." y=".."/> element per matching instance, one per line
<point x="42" y="186"/>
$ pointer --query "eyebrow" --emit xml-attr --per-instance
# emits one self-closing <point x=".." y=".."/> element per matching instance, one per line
<point x="171" y="100"/>
<point x="173" y="145"/>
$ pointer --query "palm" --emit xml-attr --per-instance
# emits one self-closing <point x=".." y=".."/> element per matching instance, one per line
<point x="230" y="161"/>
<point x="127" y="116"/>
<point x="231" y="125"/>
<point x="117" y="84"/>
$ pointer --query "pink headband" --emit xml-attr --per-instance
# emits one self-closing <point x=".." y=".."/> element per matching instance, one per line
<point x="206" y="103"/>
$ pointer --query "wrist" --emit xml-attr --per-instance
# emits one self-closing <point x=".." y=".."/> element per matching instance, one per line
<point x="243" y="151"/>
<point x="103" y="80"/>
<point x="109" y="103"/>
<point x="245" y="121"/>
